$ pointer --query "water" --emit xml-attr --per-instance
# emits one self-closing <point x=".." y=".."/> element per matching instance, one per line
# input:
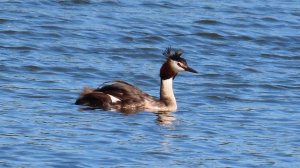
<point x="241" y="110"/>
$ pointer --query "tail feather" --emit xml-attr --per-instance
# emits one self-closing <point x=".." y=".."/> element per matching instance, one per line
<point x="81" y="100"/>
<point x="86" y="91"/>
<point x="90" y="97"/>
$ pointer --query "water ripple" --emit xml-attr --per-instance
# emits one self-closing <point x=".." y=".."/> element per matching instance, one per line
<point x="22" y="48"/>
<point x="208" y="22"/>
<point x="210" y="35"/>
<point x="12" y="32"/>
<point x="285" y="57"/>
<point x="2" y="20"/>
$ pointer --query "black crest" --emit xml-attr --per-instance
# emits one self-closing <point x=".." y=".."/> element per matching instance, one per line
<point x="174" y="54"/>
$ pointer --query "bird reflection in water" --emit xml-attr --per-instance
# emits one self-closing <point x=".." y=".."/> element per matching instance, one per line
<point x="163" y="118"/>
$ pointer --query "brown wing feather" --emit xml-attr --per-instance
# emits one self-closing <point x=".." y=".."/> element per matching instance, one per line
<point x="123" y="91"/>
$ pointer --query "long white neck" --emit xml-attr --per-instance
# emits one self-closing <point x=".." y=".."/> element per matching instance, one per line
<point x="167" y="95"/>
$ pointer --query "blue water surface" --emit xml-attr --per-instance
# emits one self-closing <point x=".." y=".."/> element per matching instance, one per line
<point x="241" y="110"/>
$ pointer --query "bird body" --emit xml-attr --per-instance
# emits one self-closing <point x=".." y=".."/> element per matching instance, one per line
<point x="122" y="96"/>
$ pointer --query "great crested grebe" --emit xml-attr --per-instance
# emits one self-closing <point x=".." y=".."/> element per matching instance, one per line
<point x="122" y="96"/>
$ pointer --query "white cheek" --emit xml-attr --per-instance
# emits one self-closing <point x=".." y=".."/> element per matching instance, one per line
<point x="176" y="67"/>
